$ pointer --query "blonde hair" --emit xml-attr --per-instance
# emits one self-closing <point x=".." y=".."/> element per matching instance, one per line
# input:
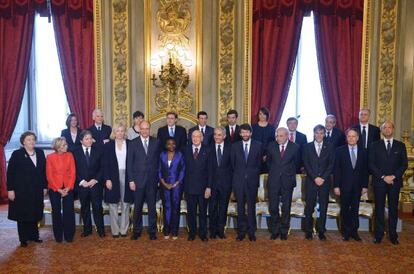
<point x="58" y="142"/>
<point x="115" y="127"/>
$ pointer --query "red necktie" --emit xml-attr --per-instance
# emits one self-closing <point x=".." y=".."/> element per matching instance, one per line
<point x="291" y="137"/>
<point x="282" y="152"/>
<point x="232" y="134"/>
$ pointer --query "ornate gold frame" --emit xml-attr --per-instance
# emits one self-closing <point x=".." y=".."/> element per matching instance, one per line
<point x="247" y="64"/>
<point x="97" y="22"/>
<point x="366" y="54"/>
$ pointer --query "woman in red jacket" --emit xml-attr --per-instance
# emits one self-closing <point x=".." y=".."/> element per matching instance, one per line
<point x="60" y="172"/>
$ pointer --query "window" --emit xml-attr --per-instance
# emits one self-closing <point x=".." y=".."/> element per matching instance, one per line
<point x="44" y="107"/>
<point x="305" y="94"/>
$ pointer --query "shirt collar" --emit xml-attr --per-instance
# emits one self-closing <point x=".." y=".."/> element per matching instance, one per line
<point x="247" y="142"/>
<point x="316" y="143"/>
<point x="143" y="139"/>
<point x="199" y="146"/>
<point x="222" y="144"/>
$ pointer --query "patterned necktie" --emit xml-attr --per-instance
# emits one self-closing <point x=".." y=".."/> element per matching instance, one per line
<point x="353" y="157"/>
<point x="195" y="154"/>
<point x="146" y="146"/>
<point x="388" y="147"/>
<point x="282" y="152"/>
<point x="87" y="157"/>
<point x="292" y="137"/>
<point x="364" y="136"/>
<point x="171" y="132"/>
<point x="246" y="152"/>
<point x="219" y="155"/>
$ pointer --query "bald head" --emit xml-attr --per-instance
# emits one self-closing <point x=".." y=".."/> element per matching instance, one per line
<point x="144" y="128"/>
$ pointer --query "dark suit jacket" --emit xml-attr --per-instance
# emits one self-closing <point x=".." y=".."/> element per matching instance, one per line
<point x="111" y="172"/>
<point x="282" y="171"/>
<point x="208" y="135"/>
<point x="143" y="168"/>
<point x="321" y="166"/>
<point x="96" y="165"/>
<point x="28" y="182"/>
<point x="220" y="177"/>
<point x="346" y="177"/>
<point x="236" y="137"/>
<point x="380" y="164"/>
<point x="374" y="134"/>
<point x="180" y="137"/>
<point x="101" y="135"/>
<point x="337" y="138"/>
<point x="246" y="173"/>
<point x="197" y="170"/>
<point x="71" y="145"/>
<point x="301" y="139"/>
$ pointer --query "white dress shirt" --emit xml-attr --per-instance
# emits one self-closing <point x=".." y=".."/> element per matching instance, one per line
<point x="198" y="147"/>
<point x="318" y="146"/>
<point x="248" y="145"/>
<point x="283" y="145"/>
<point x="121" y="155"/>
<point x="386" y="142"/>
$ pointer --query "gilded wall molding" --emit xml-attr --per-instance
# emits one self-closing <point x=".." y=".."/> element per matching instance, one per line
<point x="97" y="22"/>
<point x="387" y="60"/>
<point x="226" y="48"/>
<point x="247" y="64"/>
<point x="120" y="62"/>
<point x="366" y="54"/>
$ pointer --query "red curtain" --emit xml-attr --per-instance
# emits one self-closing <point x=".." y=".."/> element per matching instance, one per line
<point x="275" y="35"/>
<point x="16" y="29"/>
<point x="73" y="23"/>
<point x="338" y="30"/>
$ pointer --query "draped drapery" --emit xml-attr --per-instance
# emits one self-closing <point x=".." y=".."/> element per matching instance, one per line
<point x="275" y="34"/>
<point x="16" y="30"/>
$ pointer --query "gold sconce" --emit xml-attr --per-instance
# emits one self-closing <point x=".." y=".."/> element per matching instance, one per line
<point x="172" y="80"/>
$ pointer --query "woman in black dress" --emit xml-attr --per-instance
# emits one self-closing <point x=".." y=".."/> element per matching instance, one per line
<point x="72" y="132"/>
<point x="27" y="185"/>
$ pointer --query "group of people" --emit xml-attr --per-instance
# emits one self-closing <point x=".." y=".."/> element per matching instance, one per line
<point x="127" y="167"/>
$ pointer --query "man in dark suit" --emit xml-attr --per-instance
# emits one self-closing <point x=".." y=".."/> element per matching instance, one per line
<point x="296" y="137"/>
<point x="89" y="162"/>
<point x="202" y="126"/>
<point x="367" y="133"/>
<point x="332" y="134"/>
<point x="220" y="177"/>
<point x="196" y="185"/>
<point x="246" y="158"/>
<point x="100" y="131"/>
<point x="232" y="128"/>
<point x="350" y="182"/>
<point x="172" y="130"/>
<point x="319" y="159"/>
<point x="282" y="161"/>
<point x="142" y="164"/>
<point x="387" y="161"/>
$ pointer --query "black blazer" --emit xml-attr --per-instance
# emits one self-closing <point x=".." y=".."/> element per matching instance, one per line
<point x="282" y="171"/>
<point x="337" y="138"/>
<point x="321" y="166"/>
<point x="111" y="172"/>
<point x="380" y="164"/>
<point x="220" y="176"/>
<point x="143" y="168"/>
<point x="96" y="165"/>
<point x="71" y="145"/>
<point x="237" y="136"/>
<point x="180" y="137"/>
<point x="374" y="134"/>
<point x="208" y="135"/>
<point x="346" y="177"/>
<point x="246" y="173"/>
<point x="301" y="139"/>
<point x="196" y="171"/>
<point x="28" y="182"/>
<point x="101" y="135"/>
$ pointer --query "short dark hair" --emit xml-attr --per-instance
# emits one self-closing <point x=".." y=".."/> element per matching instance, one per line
<point x="233" y="111"/>
<point x="351" y="129"/>
<point x="172" y="113"/>
<point x="84" y="133"/>
<point x="245" y="127"/>
<point x="169" y="139"/>
<point x="265" y="111"/>
<point x="25" y="134"/>
<point x="201" y="113"/>
<point x="318" y="128"/>
<point x="138" y="114"/>
<point x="69" y="118"/>
<point x="292" y="119"/>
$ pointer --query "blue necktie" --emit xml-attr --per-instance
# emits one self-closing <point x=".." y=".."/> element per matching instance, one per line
<point x="246" y="152"/>
<point x="171" y="132"/>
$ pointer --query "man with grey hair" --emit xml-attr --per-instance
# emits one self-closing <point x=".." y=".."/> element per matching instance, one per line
<point x="100" y="131"/>
<point x="367" y="133"/>
<point x="220" y="182"/>
<point x="282" y="161"/>
<point x="387" y="161"/>
<point x="333" y="134"/>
